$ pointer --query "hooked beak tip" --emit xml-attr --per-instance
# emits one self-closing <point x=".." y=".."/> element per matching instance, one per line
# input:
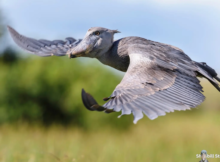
<point x="115" y="31"/>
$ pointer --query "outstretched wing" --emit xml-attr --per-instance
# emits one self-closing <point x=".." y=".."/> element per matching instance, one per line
<point x="43" y="47"/>
<point x="157" y="81"/>
<point x="152" y="89"/>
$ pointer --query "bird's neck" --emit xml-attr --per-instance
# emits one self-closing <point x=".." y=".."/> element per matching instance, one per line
<point x="114" y="58"/>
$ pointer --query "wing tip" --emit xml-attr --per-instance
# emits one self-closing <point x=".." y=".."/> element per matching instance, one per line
<point x="85" y="100"/>
<point x="91" y="104"/>
<point x="9" y="27"/>
<point x="12" y="31"/>
<point x="15" y="36"/>
<point x="217" y="78"/>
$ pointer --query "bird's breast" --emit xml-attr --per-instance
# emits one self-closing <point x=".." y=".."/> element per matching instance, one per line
<point x="122" y="64"/>
<point x="119" y="63"/>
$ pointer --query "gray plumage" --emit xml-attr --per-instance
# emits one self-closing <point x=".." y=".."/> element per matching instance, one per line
<point x="43" y="47"/>
<point x="159" y="78"/>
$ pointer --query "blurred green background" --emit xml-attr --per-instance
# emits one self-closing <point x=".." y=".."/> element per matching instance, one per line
<point x="42" y="117"/>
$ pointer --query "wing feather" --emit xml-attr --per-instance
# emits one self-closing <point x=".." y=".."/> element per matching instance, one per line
<point x="155" y="90"/>
<point x="43" y="47"/>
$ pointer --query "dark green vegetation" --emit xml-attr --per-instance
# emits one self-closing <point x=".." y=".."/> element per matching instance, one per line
<point x="48" y="90"/>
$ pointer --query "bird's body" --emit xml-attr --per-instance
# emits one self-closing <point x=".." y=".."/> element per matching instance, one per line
<point x="159" y="78"/>
<point x="118" y="55"/>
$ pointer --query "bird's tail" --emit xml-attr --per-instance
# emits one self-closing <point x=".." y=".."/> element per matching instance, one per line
<point x="209" y="73"/>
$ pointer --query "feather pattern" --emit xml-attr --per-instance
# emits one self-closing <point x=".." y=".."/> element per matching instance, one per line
<point x="43" y="47"/>
<point x="155" y="89"/>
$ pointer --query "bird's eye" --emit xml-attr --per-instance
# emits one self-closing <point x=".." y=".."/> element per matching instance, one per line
<point x="97" y="33"/>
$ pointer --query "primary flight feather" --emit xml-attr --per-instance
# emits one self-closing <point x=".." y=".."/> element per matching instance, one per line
<point x="159" y="78"/>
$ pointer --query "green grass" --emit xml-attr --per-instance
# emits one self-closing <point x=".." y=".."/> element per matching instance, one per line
<point x="175" y="137"/>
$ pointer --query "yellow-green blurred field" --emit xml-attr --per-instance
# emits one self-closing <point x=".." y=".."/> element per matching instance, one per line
<point x="175" y="137"/>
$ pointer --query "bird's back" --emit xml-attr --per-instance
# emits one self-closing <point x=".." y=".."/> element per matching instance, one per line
<point x="118" y="55"/>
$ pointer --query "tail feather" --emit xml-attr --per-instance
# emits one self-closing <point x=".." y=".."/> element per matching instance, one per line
<point x="209" y="73"/>
<point x="215" y="85"/>
<point x="217" y="78"/>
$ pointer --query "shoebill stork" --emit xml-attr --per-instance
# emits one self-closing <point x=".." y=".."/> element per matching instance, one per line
<point x="159" y="78"/>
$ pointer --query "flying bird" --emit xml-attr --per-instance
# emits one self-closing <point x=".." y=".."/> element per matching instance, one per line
<point x="159" y="78"/>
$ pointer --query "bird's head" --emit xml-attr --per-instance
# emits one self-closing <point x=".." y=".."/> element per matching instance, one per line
<point x="96" y="42"/>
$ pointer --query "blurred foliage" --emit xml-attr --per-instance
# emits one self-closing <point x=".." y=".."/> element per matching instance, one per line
<point x="176" y="137"/>
<point x="48" y="90"/>
<point x="8" y="56"/>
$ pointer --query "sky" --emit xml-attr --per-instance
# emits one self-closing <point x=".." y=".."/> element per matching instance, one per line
<point x="192" y="25"/>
